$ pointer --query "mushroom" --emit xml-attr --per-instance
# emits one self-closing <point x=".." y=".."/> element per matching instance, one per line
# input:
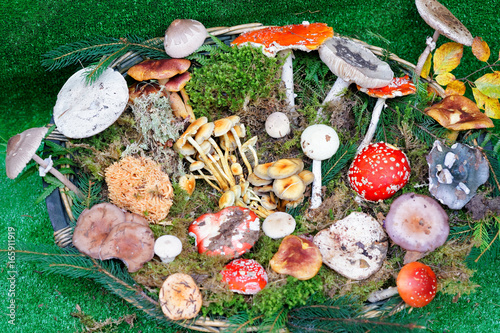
<point x="130" y="242"/>
<point x="83" y="110"/>
<point x="352" y="63"/>
<point x="188" y="183"/>
<point x="277" y="125"/>
<point x="93" y="226"/>
<point x="21" y="149"/>
<point x="418" y="224"/>
<point x="282" y="40"/>
<point x="284" y="168"/>
<point x="318" y="142"/>
<point x="355" y="247"/>
<point x="456" y="173"/>
<point x="183" y="37"/>
<point x="180" y="298"/>
<point x="399" y="86"/>
<point x="230" y="232"/>
<point x="444" y="23"/>
<point x="159" y="69"/>
<point x="298" y="257"/>
<point x="167" y="247"/>
<point x="278" y="225"/>
<point x="458" y="113"/>
<point x="379" y="171"/>
<point x="417" y="284"/>
<point x="244" y="276"/>
<point x="291" y="188"/>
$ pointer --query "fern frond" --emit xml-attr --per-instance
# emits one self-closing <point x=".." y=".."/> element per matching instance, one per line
<point x="274" y="323"/>
<point x="332" y="166"/>
<point x="91" y="190"/>
<point x="240" y="323"/>
<point x="46" y="192"/>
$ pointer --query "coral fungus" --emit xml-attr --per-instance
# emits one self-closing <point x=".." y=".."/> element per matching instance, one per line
<point x="139" y="185"/>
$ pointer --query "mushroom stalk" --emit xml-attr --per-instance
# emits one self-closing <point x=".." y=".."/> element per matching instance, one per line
<point x="59" y="176"/>
<point x="316" y="185"/>
<point x="377" y="111"/>
<point x="431" y="45"/>
<point x="287" y="76"/>
<point x="336" y="92"/>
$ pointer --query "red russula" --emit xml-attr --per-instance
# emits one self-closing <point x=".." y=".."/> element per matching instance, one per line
<point x="417" y="284"/>
<point x="378" y="171"/>
<point x="244" y="276"/>
<point x="230" y="232"/>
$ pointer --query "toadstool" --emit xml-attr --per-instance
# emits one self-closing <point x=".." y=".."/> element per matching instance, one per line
<point x="183" y="37"/>
<point x="455" y="173"/>
<point x="167" y="247"/>
<point x="418" y="224"/>
<point x="318" y="142"/>
<point x="278" y="225"/>
<point x="21" y="149"/>
<point x="277" y="125"/>
<point x="417" y="284"/>
<point x="180" y="298"/>
<point x="379" y="171"/>
<point x="244" y="276"/>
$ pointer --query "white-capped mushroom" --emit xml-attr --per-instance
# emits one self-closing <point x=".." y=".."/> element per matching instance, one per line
<point x="183" y="37"/>
<point x="167" y="247"/>
<point x="278" y="225"/>
<point x="319" y="142"/>
<point x="277" y="125"/>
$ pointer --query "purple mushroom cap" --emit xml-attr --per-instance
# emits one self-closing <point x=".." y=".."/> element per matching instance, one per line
<point x="417" y="223"/>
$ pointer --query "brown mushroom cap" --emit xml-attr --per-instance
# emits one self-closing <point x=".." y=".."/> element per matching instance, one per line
<point x="158" y="69"/>
<point x="261" y="170"/>
<point x="180" y="298"/>
<point x="136" y="218"/>
<point x="94" y="225"/>
<point x="177" y="82"/>
<point x="285" y="167"/>
<point x="130" y="242"/>
<point x="297" y="257"/>
<point x="21" y="148"/>
<point x="291" y="188"/>
<point x="458" y="113"/>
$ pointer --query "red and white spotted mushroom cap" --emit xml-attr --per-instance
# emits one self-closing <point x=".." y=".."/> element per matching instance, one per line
<point x="417" y="284"/>
<point x="244" y="276"/>
<point x="379" y="171"/>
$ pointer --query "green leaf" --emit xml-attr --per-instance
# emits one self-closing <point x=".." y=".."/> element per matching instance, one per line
<point x="489" y="84"/>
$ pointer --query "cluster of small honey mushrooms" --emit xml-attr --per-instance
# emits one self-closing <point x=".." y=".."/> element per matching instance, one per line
<point x="219" y="153"/>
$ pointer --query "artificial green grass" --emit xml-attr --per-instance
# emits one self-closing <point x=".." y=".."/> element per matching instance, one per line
<point x="29" y="29"/>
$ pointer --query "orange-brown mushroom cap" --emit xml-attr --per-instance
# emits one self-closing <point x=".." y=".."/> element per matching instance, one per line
<point x="458" y="113"/>
<point x="305" y="37"/>
<point x="178" y="82"/>
<point x="158" y="69"/>
<point x="297" y="257"/>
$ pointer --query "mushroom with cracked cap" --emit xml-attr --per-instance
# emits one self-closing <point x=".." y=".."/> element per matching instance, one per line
<point x="180" y="298"/>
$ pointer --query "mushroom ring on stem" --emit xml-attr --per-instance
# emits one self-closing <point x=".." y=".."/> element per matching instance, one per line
<point x="352" y="63"/>
<point x="319" y="142"/>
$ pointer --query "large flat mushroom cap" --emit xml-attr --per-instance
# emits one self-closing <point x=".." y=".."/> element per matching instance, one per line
<point x="20" y="148"/>
<point x="180" y="297"/>
<point x="354" y="247"/>
<point x="441" y="19"/>
<point x="94" y="225"/>
<point x="353" y="62"/>
<point x="83" y="110"/>
<point x="132" y="243"/>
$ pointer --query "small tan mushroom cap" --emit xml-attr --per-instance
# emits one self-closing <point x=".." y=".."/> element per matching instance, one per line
<point x="458" y="113"/>
<point x="441" y="19"/>
<point x="291" y="188"/>
<point x="130" y="242"/>
<point x="285" y="168"/>
<point x="180" y="298"/>
<point x="261" y="170"/>
<point x="187" y="183"/>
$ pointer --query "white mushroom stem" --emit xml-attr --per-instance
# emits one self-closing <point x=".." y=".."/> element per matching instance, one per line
<point x="380" y="295"/>
<point x="224" y="162"/>
<point x="336" y="92"/>
<point x="377" y="111"/>
<point x="287" y="76"/>
<point x="243" y="156"/>
<point x="59" y="176"/>
<point x="316" y="185"/>
<point x="431" y="45"/>
<point x="249" y="146"/>
<point x="206" y="177"/>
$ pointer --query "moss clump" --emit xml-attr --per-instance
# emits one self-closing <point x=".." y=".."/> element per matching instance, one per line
<point x="231" y="79"/>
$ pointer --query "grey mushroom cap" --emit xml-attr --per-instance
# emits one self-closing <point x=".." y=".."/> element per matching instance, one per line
<point x="83" y="110"/>
<point x="353" y="62"/>
<point x="183" y="37"/>
<point x="21" y="148"/>
<point x="455" y="173"/>
<point x="441" y="19"/>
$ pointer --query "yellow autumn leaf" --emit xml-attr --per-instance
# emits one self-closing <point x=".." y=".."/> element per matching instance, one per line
<point x="455" y="87"/>
<point x="445" y="79"/>
<point x="489" y="84"/>
<point x="427" y="67"/>
<point x="447" y="57"/>
<point x="480" y="49"/>
<point x="491" y="106"/>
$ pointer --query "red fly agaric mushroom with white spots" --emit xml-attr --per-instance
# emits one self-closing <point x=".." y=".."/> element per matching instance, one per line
<point x="417" y="284"/>
<point x="244" y="276"/>
<point x="379" y="171"/>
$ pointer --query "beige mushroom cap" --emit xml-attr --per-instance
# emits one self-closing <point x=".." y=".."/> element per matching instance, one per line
<point x="183" y="37"/>
<point x="291" y="188"/>
<point x="441" y="19"/>
<point x="285" y="168"/>
<point x="180" y="298"/>
<point x="21" y="148"/>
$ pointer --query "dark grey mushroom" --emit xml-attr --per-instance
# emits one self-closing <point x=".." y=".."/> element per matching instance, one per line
<point x="455" y="173"/>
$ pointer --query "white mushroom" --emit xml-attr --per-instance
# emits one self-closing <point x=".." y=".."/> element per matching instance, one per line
<point x="319" y="142"/>
<point x="277" y="125"/>
<point x="167" y="247"/>
<point x="278" y="225"/>
<point x="184" y="37"/>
